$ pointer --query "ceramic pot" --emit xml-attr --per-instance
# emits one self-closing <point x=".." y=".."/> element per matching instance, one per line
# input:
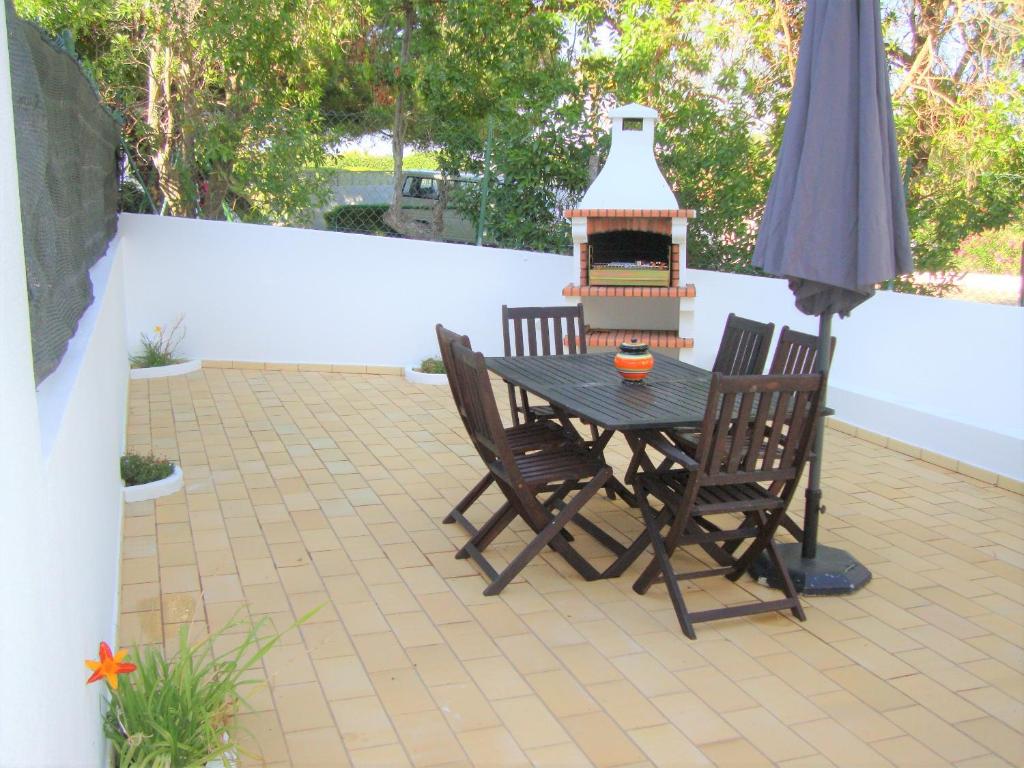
<point x="633" y="361"/>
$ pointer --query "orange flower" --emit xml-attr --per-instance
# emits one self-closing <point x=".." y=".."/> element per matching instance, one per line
<point x="109" y="666"/>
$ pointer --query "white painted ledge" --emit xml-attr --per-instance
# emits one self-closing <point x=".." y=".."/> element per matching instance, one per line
<point x="418" y="377"/>
<point x="163" y="371"/>
<point x="170" y="484"/>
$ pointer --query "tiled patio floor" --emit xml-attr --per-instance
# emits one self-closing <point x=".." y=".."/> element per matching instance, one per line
<point x="308" y="488"/>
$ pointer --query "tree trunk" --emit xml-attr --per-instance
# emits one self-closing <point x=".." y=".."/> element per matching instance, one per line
<point x="393" y="216"/>
<point x="161" y="122"/>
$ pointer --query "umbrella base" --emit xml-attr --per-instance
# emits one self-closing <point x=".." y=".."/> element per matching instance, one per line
<point x="832" y="572"/>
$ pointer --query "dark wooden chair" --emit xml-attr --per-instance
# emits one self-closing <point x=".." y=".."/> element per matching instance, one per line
<point x="744" y="347"/>
<point x="742" y="352"/>
<point x="522" y="438"/>
<point x="540" y="331"/>
<point x="797" y="353"/>
<point x="753" y="445"/>
<point x="523" y="478"/>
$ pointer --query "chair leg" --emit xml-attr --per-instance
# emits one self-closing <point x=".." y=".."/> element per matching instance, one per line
<point x="501" y="519"/>
<point x="664" y="564"/>
<point x="548" y="535"/>
<point x="788" y="588"/>
<point x="469" y="499"/>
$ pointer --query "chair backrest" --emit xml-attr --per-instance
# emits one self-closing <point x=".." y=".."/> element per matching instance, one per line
<point x="797" y="353"/>
<point x="445" y="339"/>
<point x="744" y="347"/>
<point x="758" y="429"/>
<point x="541" y="330"/>
<point x="483" y="422"/>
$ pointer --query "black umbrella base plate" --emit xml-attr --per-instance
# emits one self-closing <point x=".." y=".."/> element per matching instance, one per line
<point x="832" y="572"/>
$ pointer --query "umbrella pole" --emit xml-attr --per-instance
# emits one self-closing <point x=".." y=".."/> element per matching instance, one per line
<point x="815" y="570"/>
<point x="812" y="509"/>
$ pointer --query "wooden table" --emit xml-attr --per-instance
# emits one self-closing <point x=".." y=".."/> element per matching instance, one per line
<point x="673" y="396"/>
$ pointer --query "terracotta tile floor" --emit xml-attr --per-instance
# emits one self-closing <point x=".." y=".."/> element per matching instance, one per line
<point x="324" y="488"/>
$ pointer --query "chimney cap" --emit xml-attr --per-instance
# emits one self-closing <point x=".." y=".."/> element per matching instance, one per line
<point x="633" y="110"/>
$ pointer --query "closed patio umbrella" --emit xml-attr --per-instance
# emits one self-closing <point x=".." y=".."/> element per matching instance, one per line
<point x="835" y="220"/>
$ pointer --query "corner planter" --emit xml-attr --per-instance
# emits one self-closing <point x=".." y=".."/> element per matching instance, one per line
<point x="162" y="371"/>
<point x="418" y="377"/>
<point x="170" y="484"/>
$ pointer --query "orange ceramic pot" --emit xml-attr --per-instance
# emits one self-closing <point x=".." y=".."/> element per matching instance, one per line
<point x="633" y="361"/>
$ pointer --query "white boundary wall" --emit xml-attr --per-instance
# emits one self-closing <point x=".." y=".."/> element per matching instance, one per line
<point x="60" y="492"/>
<point x="282" y="295"/>
<point x="943" y="375"/>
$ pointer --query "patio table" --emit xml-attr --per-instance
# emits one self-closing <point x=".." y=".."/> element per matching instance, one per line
<point x="673" y="396"/>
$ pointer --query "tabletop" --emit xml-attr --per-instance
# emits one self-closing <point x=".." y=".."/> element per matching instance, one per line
<point x="673" y="395"/>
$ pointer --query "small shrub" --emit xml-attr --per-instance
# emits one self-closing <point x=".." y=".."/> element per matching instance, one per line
<point x="180" y="711"/>
<point x="139" y="470"/>
<point x="431" y="365"/>
<point x="994" y="251"/>
<point x="158" y="350"/>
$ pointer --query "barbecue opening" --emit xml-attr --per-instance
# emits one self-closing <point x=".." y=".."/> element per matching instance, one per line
<point x="629" y="258"/>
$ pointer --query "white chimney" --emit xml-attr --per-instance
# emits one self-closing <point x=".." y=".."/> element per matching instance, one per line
<point x="631" y="178"/>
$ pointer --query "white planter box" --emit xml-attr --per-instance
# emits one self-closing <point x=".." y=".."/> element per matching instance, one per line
<point x="170" y="484"/>
<point x="162" y="371"/>
<point x="418" y="377"/>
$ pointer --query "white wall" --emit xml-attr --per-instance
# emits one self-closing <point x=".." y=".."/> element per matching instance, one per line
<point x="275" y="294"/>
<point x="939" y="374"/>
<point x="60" y="495"/>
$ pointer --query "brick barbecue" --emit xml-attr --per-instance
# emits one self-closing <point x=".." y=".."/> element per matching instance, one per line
<point x="629" y="236"/>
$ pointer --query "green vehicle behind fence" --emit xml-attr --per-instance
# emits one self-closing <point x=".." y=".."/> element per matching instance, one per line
<point x="359" y="200"/>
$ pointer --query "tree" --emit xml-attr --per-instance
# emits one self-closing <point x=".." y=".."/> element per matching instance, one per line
<point x="958" y="97"/>
<point x="720" y="74"/>
<point x="220" y="99"/>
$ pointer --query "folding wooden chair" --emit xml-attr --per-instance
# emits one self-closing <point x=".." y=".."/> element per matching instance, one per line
<point x="522" y="438"/>
<point x="540" y="331"/>
<point x="742" y="352"/>
<point x="797" y="353"/>
<point x="559" y="471"/>
<point x="744" y="347"/>
<point x="753" y="445"/>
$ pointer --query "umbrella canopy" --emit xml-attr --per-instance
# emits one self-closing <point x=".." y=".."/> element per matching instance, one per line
<point x="835" y="221"/>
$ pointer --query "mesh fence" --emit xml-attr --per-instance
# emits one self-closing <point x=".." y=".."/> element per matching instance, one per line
<point x="363" y="194"/>
<point x="66" y="146"/>
<point x="479" y="204"/>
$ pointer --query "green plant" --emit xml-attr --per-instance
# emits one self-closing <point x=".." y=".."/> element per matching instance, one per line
<point x="158" y="349"/>
<point x="431" y="365"/>
<point x="994" y="251"/>
<point x="139" y="470"/>
<point x="179" y="712"/>
<point x="356" y="160"/>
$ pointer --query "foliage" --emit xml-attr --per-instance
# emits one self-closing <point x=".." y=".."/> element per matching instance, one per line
<point x="365" y="219"/>
<point x="994" y="251"/>
<point x="137" y="469"/>
<point x="431" y="365"/>
<point x="159" y="349"/>
<point x="228" y="105"/>
<point x="363" y="161"/>
<point x="958" y="98"/>
<point x="719" y="74"/>
<point x="220" y="99"/>
<point x="179" y="711"/>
